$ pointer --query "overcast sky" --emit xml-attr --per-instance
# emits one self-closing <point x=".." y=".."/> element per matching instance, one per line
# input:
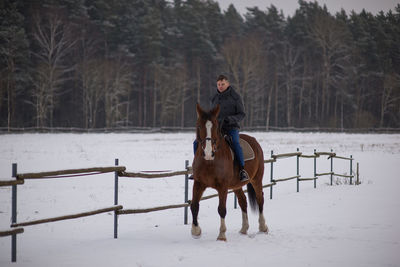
<point x="289" y="6"/>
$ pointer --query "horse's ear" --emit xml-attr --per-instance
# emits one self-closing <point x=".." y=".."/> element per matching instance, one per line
<point x="215" y="111"/>
<point x="199" y="110"/>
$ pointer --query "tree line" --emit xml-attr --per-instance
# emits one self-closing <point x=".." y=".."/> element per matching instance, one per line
<point x="146" y="63"/>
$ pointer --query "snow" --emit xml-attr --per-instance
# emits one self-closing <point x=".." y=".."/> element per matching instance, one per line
<point x="339" y="225"/>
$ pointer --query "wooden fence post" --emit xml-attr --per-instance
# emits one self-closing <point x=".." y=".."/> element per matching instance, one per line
<point x="14" y="215"/>
<point x="358" y="176"/>
<point x="116" y="200"/>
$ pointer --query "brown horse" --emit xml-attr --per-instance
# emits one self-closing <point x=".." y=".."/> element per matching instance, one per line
<point x="214" y="167"/>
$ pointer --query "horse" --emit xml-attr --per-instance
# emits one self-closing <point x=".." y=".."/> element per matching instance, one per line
<point x="213" y="166"/>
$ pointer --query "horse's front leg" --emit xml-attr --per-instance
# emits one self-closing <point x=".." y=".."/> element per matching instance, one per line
<point x="198" y="190"/>
<point x="222" y="213"/>
<point x="243" y="205"/>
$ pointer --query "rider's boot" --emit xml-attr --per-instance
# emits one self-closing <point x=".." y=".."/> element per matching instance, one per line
<point x="243" y="175"/>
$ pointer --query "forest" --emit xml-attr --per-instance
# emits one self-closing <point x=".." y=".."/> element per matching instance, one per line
<point x="95" y="64"/>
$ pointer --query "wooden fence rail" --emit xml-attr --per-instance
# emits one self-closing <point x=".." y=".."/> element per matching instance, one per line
<point x="10" y="182"/>
<point x="68" y="173"/>
<point x="153" y="175"/>
<point x="11" y="232"/>
<point x="286" y="179"/>
<point x="120" y="171"/>
<point x="68" y="217"/>
<point x="286" y="155"/>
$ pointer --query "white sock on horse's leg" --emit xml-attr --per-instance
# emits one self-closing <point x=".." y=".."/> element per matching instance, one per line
<point x="196" y="231"/>
<point x="222" y="230"/>
<point x="245" y="223"/>
<point x="262" y="225"/>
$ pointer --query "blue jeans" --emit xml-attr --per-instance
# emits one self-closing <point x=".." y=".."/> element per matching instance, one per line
<point x="234" y="133"/>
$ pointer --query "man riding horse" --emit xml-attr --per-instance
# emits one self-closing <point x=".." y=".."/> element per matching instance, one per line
<point x="231" y="113"/>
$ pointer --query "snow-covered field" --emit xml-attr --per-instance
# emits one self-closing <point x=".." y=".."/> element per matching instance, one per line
<point x="340" y="225"/>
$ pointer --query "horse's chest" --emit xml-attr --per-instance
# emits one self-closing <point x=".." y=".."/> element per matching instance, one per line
<point x="214" y="175"/>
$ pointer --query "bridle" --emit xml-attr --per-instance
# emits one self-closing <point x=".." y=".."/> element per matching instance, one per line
<point x="214" y="142"/>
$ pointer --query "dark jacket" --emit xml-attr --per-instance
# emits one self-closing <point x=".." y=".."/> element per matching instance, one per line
<point x="232" y="109"/>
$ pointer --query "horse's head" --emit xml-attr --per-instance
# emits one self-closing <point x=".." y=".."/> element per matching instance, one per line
<point x="207" y="133"/>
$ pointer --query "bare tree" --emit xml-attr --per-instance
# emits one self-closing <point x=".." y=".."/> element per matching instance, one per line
<point x="291" y="57"/>
<point x="330" y="35"/>
<point x="305" y="88"/>
<point x="116" y="86"/>
<point x="158" y="72"/>
<point x="251" y="61"/>
<point x="51" y="34"/>
<point x="8" y="75"/>
<point x="92" y="89"/>
<point x="390" y="95"/>
<point x="173" y="95"/>
<point x="231" y="50"/>
<point x="243" y="58"/>
<point x="89" y="71"/>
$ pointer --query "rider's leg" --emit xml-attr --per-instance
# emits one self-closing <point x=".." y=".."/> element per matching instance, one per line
<point x="234" y="133"/>
<point x="195" y="145"/>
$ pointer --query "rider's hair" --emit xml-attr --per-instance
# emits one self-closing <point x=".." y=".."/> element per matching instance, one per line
<point x="222" y="77"/>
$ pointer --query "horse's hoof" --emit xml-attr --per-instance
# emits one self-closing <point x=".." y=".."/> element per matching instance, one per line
<point x="264" y="230"/>
<point x="221" y="238"/>
<point x="196" y="236"/>
<point x="196" y="232"/>
<point x="244" y="229"/>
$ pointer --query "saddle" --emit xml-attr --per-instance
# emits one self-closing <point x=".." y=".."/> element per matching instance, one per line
<point x="248" y="152"/>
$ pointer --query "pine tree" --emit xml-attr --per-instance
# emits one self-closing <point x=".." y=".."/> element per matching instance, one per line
<point x="14" y="55"/>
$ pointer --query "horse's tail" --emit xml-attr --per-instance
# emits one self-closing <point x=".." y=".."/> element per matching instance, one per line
<point x="252" y="197"/>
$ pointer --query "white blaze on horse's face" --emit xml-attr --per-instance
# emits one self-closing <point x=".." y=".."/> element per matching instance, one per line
<point x="208" y="150"/>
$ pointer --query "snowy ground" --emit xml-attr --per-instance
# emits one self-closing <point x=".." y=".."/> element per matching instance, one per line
<point x="340" y="225"/>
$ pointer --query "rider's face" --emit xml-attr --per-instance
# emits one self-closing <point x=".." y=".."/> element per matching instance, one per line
<point x="222" y="85"/>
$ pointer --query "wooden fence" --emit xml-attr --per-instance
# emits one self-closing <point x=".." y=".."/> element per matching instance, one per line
<point x="120" y="171"/>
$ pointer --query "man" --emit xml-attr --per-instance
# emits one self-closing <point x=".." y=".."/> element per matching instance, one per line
<point x="231" y="113"/>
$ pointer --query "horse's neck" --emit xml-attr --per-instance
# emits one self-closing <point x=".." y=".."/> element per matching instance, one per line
<point x="224" y="149"/>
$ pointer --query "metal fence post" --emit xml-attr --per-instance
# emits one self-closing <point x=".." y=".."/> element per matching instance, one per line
<point x="234" y="201"/>
<point x="116" y="200"/>
<point x="272" y="173"/>
<point x="351" y="169"/>
<point x="315" y="169"/>
<point x="298" y="171"/>
<point x="14" y="214"/>
<point x="331" y="168"/>
<point x="185" y="218"/>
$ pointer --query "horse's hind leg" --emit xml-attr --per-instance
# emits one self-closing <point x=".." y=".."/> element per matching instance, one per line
<point x="243" y="205"/>
<point x="198" y="190"/>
